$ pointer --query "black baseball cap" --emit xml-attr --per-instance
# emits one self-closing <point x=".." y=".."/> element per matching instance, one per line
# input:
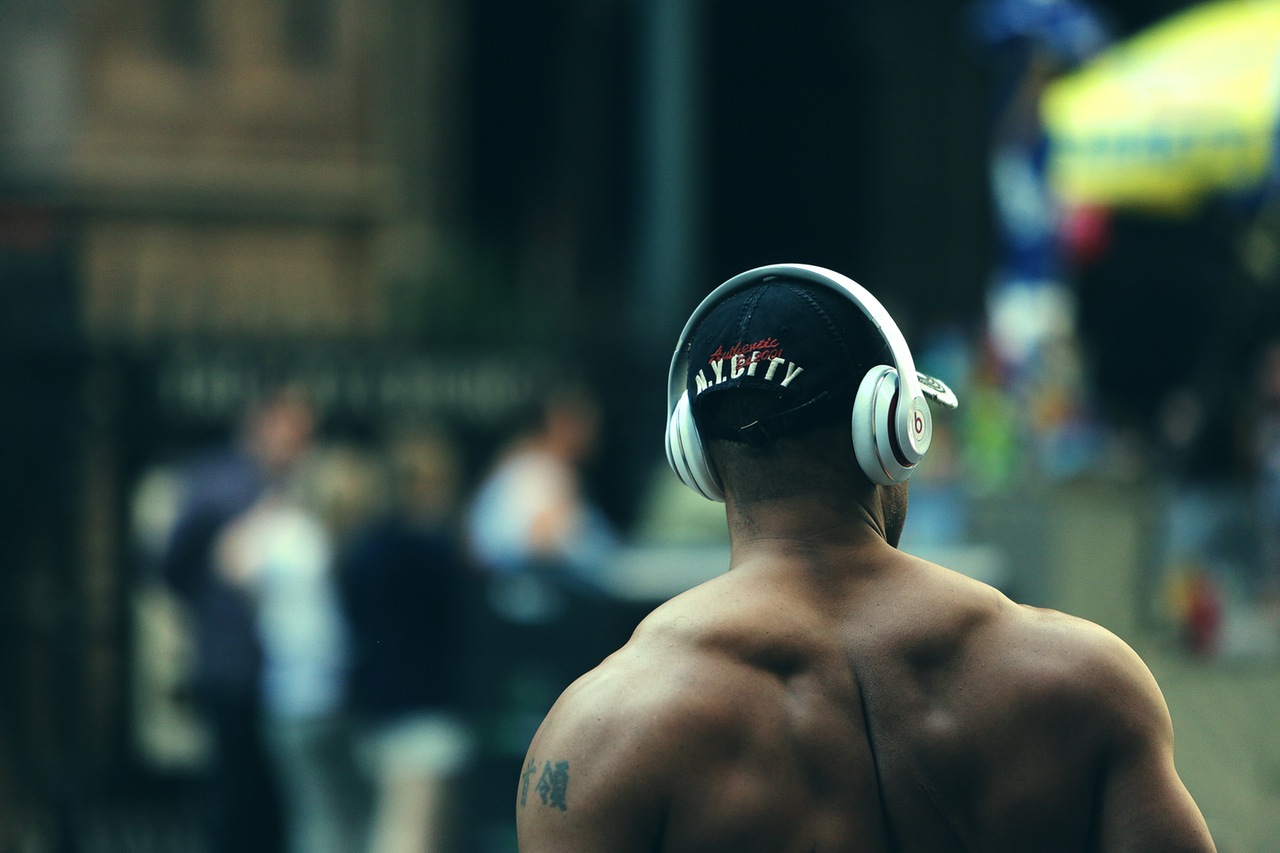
<point x="799" y="347"/>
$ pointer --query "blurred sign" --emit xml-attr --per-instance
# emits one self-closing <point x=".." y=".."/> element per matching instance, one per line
<point x="215" y="384"/>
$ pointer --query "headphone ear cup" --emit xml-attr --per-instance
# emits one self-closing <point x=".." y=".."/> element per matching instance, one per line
<point x="873" y="427"/>
<point x="685" y="453"/>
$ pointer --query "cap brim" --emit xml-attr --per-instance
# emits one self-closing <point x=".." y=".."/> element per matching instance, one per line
<point x="938" y="391"/>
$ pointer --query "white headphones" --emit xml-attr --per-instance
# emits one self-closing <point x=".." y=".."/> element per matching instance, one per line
<point x="891" y="424"/>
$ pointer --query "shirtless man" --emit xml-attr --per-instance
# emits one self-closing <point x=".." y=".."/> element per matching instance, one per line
<point x="830" y="693"/>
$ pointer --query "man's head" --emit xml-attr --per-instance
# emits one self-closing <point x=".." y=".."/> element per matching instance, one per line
<point x="783" y="353"/>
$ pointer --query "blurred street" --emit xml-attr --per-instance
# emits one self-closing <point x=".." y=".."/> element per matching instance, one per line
<point x="1225" y="721"/>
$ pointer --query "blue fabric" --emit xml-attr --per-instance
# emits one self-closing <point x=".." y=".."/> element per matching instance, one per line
<point x="227" y="655"/>
<point x="404" y="592"/>
<point x="1071" y="30"/>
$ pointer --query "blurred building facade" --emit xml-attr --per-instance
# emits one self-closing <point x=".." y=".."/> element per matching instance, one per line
<point x="180" y="180"/>
<point x="236" y="168"/>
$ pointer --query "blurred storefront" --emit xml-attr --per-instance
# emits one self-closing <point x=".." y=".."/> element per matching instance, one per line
<point x="195" y="199"/>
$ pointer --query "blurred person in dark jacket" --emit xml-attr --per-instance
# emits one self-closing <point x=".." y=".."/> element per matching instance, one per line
<point x="403" y="586"/>
<point x="239" y="803"/>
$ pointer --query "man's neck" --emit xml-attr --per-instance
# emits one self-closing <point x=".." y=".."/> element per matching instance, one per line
<point x="810" y="524"/>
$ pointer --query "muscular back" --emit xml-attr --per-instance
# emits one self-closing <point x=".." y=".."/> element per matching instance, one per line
<point x="798" y="706"/>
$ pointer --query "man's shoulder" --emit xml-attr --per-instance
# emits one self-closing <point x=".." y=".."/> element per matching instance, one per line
<point x="939" y="616"/>
<point x="1075" y="642"/>
<point x="635" y="729"/>
<point x="990" y="625"/>
<point x="675" y="673"/>
<point x="1065" y="660"/>
<point x="687" y="681"/>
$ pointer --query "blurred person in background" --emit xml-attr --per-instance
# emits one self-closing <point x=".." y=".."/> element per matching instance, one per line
<point x="532" y="520"/>
<point x="1267" y="450"/>
<point x="404" y="588"/>
<point x="542" y="548"/>
<point x="281" y="552"/>
<point x="1214" y="441"/>
<point x="829" y="691"/>
<point x="239" y="800"/>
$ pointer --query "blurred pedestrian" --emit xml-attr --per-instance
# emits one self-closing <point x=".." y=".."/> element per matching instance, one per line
<point x="281" y="552"/>
<point x="532" y="526"/>
<point x="404" y="590"/>
<point x="1266" y="434"/>
<point x="543" y="549"/>
<point x="238" y="801"/>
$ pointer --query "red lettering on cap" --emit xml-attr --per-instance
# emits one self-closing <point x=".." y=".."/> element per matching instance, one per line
<point x="765" y="349"/>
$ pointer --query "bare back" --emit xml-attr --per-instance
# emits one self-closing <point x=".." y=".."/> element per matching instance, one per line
<point x="795" y="707"/>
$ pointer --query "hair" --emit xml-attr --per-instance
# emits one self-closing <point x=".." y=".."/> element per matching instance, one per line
<point x="757" y="417"/>
<point x="818" y="457"/>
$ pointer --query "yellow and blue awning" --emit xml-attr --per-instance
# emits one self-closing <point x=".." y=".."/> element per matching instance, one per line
<point x="1187" y="109"/>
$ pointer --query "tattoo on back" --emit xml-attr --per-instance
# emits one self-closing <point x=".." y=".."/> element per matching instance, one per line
<point x="552" y="783"/>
